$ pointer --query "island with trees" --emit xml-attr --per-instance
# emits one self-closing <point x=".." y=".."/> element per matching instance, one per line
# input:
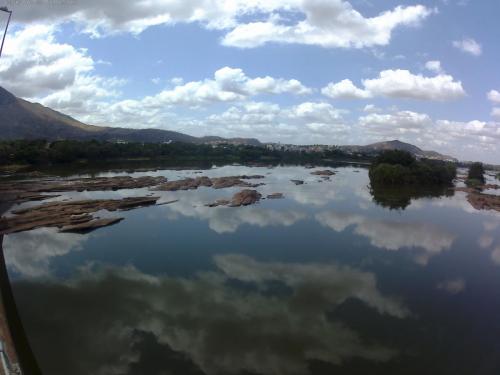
<point x="400" y="168"/>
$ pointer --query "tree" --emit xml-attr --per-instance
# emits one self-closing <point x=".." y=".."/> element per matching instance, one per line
<point x="476" y="174"/>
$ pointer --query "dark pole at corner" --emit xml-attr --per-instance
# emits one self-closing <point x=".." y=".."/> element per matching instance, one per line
<point x="4" y="9"/>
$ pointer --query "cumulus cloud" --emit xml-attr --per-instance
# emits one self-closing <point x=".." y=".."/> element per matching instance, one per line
<point x="495" y="113"/>
<point x="345" y="89"/>
<point x="38" y="67"/>
<point x="227" y="85"/>
<point x="326" y="23"/>
<point x="434" y="66"/>
<point x="471" y="138"/>
<point x="469" y="45"/>
<point x="399" y="84"/>
<point x="395" y="124"/>
<point x="330" y="24"/>
<point x="494" y="96"/>
<point x="310" y="121"/>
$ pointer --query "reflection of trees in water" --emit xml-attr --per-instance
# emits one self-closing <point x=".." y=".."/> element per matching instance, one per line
<point x="400" y="197"/>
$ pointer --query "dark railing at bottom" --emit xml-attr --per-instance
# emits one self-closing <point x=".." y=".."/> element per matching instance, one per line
<point x="23" y="350"/>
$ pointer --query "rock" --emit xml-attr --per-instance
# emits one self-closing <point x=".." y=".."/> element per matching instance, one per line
<point x="185" y="184"/>
<point x="90" y="225"/>
<point x="219" y="202"/>
<point x="216" y="183"/>
<point x="484" y="201"/>
<point x="245" y="198"/>
<point x="29" y="190"/>
<point x="275" y="196"/>
<point x="298" y="182"/>
<point x="323" y="173"/>
<point x="67" y="213"/>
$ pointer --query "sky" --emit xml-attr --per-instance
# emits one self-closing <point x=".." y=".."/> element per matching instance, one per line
<point x="291" y="71"/>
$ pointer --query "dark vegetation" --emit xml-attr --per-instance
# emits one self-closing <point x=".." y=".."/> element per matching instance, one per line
<point x="400" y="168"/>
<point x="476" y="175"/>
<point x="41" y="153"/>
<point x="400" y="197"/>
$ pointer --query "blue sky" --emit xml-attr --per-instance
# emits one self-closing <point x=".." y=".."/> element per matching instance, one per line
<point x="294" y="71"/>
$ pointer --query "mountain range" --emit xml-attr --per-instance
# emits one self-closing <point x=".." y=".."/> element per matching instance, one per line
<point x="376" y="148"/>
<point x="21" y="119"/>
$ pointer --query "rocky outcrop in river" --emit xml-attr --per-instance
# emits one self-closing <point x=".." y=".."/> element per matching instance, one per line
<point x="215" y="182"/>
<point x="71" y="216"/>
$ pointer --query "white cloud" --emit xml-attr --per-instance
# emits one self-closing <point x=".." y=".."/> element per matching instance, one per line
<point x="466" y="140"/>
<point x="228" y="85"/>
<point x="345" y="90"/>
<point x="469" y="45"/>
<point x="399" y="84"/>
<point x="434" y="66"/>
<point x="37" y="67"/>
<point x="395" y="124"/>
<point x="403" y="84"/>
<point x="371" y="108"/>
<point x="309" y="122"/>
<point x="495" y="113"/>
<point x="494" y="96"/>
<point x="330" y="24"/>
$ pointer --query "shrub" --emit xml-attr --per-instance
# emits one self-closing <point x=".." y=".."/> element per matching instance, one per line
<point x="476" y="172"/>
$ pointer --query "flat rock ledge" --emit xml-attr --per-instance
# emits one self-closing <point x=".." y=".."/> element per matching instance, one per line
<point x="479" y="200"/>
<point x="243" y="198"/>
<point x="484" y="201"/>
<point x="72" y="216"/>
<point x="24" y="191"/>
<point x="215" y="183"/>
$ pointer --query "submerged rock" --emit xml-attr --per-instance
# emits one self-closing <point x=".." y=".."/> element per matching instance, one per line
<point x="90" y="225"/>
<point x="298" y="182"/>
<point x="275" y="196"/>
<point x="323" y="173"/>
<point x="219" y="202"/>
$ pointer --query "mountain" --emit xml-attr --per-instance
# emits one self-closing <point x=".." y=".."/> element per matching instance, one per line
<point x="20" y="119"/>
<point x="376" y="148"/>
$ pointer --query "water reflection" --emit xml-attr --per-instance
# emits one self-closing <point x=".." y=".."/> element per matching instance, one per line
<point x="402" y="197"/>
<point x="246" y="317"/>
<point x="392" y="235"/>
<point x="228" y="220"/>
<point x="29" y="254"/>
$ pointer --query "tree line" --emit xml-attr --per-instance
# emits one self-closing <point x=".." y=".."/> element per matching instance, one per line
<point x="41" y="152"/>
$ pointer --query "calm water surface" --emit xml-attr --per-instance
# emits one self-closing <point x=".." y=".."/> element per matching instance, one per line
<point x="324" y="281"/>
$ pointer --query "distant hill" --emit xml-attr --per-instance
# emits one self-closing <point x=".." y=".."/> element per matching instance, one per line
<point x="20" y="119"/>
<point x="376" y="148"/>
